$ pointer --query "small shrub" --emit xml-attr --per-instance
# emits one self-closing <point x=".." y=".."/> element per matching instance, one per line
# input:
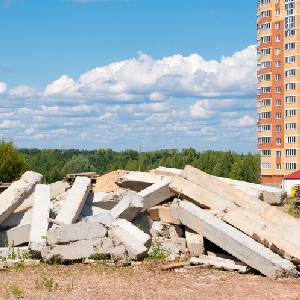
<point x="15" y="291"/>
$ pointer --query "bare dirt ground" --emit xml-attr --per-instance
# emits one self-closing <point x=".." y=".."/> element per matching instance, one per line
<point x="146" y="281"/>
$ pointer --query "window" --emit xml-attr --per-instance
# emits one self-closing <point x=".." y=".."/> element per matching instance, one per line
<point x="277" y="25"/>
<point x="266" y="165"/>
<point x="265" y="102"/>
<point x="290" y="99"/>
<point x="265" y="152"/>
<point x="264" y="127"/>
<point x="290" y="86"/>
<point x="290" y="73"/>
<point x="278" y="153"/>
<point x="290" y="46"/>
<point x="277" y="51"/>
<point x="264" y="115"/>
<point x="278" y="128"/>
<point x="290" y="112"/>
<point x="278" y="89"/>
<point x="290" y="59"/>
<point x="265" y="51"/>
<point x="278" y="115"/>
<point x="277" y="77"/>
<point x="265" y="64"/>
<point x="278" y="141"/>
<point x="290" y="140"/>
<point x="278" y="102"/>
<point x="277" y="12"/>
<point x="277" y="63"/>
<point x="290" y="152"/>
<point x="265" y="39"/>
<point x="290" y="166"/>
<point x="290" y="126"/>
<point x="278" y="166"/>
<point x="264" y="140"/>
<point x="277" y="38"/>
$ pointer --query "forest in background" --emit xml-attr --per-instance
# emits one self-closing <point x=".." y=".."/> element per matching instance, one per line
<point x="55" y="164"/>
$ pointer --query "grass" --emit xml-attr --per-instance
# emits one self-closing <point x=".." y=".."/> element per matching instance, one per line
<point x="14" y="291"/>
<point x="292" y="208"/>
<point x="46" y="283"/>
<point x="157" y="252"/>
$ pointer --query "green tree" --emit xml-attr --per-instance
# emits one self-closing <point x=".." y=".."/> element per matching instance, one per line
<point x="12" y="163"/>
<point x="78" y="164"/>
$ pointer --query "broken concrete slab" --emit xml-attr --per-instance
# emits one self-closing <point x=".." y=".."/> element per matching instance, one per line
<point x="106" y="200"/>
<point x="26" y="204"/>
<point x="136" y="242"/>
<point x="75" y="232"/>
<point x="17" y="219"/>
<point x="15" y="237"/>
<point x="89" y="211"/>
<point x="194" y="242"/>
<point x="163" y="214"/>
<point x="143" y="222"/>
<point x="233" y="241"/>
<point x="57" y="188"/>
<point x="78" y="250"/>
<point x="138" y="181"/>
<point x="17" y="192"/>
<point x="157" y="193"/>
<point x="104" y="217"/>
<point x="128" y="207"/>
<point x="219" y="263"/>
<point x="40" y="217"/>
<point x="75" y="200"/>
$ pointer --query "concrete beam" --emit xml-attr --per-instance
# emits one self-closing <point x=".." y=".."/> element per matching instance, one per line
<point x="233" y="241"/>
<point x="138" y="181"/>
<point x="40" y="217"/>
<point x="75" y="200"/>
<point x="128" y="207"/>
<point x="16" y="193"/>
<point x="157" y="193"/>
<point x="167" y="171"/>
<point x="15" y="237"/>
<point x="163" y="214"/>
<point x="78" y="250"/>
<point x="136" y="242"/>
<point x="75" y="232"/>
<point x="194" y="242"/>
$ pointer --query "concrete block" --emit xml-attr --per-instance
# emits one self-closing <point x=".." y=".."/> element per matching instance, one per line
<point x="104" y="217"/>
<point x="26" y="204"/>
<point x="40" y="217"/>
<point x="106" y="200"/>
<point x="78" y="250"/>
<point x="194" y="242"/>
<point x="136" y="242"/>
<point x="15" y="236"/>
<point x="17" y="219"/>
<point x="129" y="206"/>
<point x="75" y="200"/>
<point x="75" y="232"/>
<point x="138" y="181"/>
<point x="143" y="222"/>
<point x="57" y="188"/>
<point x="157" y="193"/>
<point x="89" y="211"/>
<point x="219" y="263"/>
<point x="233" y="241"/>
<point x="163" y="214"/>
<point x="17" y="192"/>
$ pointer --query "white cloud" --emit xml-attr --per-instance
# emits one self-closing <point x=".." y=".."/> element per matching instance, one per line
<point x="175" y="75"/>
<point x="201" y="109"/>
<point x="23" y="91"/>
<point x="8" y="124"/>
<point x="3" y="87"/>
<point x="245" y="121"/>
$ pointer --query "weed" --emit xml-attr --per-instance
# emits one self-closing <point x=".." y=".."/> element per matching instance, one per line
<point x="46" y="283"/>
<point x="15" y="291"/>
<point x="99" y="256"/>
<point x="157" y="252"/>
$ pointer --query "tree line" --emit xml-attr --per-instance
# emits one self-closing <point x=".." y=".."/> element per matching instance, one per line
<point x="54" y="164"/>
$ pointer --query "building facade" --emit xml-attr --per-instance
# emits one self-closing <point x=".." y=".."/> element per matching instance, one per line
<point x="278" y="89"/>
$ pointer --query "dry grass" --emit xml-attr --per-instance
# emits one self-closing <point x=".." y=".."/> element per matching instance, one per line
<point x="145" y="281"/>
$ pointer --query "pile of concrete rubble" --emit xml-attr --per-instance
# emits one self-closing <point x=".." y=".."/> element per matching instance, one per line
<point x="212" y="221"/>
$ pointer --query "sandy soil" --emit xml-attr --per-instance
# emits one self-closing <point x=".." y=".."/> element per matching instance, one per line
<point x="146" y="281"/>
<point x="106" y="183"/>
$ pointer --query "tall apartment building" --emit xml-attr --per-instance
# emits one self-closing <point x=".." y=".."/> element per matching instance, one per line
<point x="278" y="90"/>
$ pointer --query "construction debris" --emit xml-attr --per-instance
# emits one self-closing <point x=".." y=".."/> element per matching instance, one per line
<point x="166" y="213"/>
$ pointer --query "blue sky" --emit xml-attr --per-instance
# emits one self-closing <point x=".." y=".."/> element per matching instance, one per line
<point x="116" y="73"/>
